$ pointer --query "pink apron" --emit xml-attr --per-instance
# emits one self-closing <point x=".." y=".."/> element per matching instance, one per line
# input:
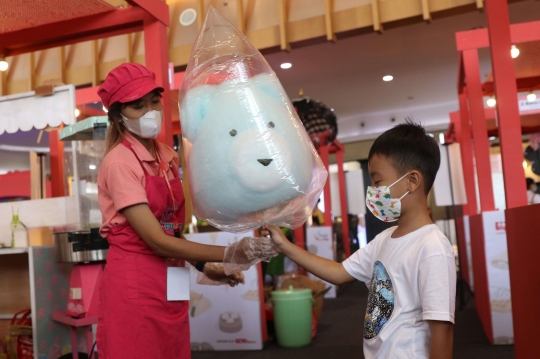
<point x="135" y="318"/>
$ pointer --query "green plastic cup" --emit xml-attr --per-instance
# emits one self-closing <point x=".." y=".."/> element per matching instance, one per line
<point x="292" y="316"/>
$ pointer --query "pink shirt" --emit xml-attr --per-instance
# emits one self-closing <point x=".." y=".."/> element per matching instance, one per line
<point x="121" y="181"/>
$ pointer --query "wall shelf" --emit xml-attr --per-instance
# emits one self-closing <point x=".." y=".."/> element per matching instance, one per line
<point x="13" y="250"/>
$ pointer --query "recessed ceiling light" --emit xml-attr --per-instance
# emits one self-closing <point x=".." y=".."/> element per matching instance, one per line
<point x="531" y="97"/>
<point x="92" y="167"/>
<point x="491" y="102"/>
<point x="3" y="64"/>
<point x="514" y="51"/>
<point x="188" y="17"/>
<point x="286" y="65"/>
<point x="492" y="138"/>
<point x="388" y="78"/>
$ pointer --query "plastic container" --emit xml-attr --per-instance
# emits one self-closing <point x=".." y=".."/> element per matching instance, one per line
<point x="292" y="316"/>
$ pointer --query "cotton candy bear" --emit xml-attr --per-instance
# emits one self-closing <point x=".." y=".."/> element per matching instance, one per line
<point x="248" y="157"/>
<point x="247" y="152"/>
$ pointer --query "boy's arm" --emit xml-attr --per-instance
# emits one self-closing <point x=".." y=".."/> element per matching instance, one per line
<point x="442" y="337"/>
<point x="323" y="268"/>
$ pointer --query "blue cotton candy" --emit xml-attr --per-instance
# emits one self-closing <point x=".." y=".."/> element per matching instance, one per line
<point x="247" y="153"/>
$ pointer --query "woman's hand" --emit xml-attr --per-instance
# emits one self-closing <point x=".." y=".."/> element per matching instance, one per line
<point x="241" y="255"/>
<point x="214" y="274"/>
<point x="277" y="237"/>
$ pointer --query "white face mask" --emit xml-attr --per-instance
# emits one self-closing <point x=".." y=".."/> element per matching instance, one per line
<point x="382" y="205"/>
<point x="148" y="126"/>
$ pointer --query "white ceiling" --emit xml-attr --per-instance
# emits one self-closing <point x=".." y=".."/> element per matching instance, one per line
<point x="347" y="75"/>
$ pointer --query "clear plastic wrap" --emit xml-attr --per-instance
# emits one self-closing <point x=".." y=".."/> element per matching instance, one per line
<point x="249" y="159"/>
<point x="241" y="255"/>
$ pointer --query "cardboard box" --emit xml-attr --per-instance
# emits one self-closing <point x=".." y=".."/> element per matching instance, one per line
<point x="41" y="236"/>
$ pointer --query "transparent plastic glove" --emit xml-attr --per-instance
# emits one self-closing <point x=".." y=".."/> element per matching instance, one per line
<point x="248" y="251"/>
<point x="214" y="274"/>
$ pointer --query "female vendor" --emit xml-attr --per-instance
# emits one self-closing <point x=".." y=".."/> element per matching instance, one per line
<point x="142" y="314"/>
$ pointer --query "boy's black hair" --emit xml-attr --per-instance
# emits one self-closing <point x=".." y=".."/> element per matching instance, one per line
<point x="530" y="182"/>
<point x="408" y="148"/>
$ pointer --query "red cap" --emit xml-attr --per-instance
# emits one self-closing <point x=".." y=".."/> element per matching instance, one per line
<point x="127" y="82"/>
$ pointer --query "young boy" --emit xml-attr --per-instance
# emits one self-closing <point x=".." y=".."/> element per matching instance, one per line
<point x="409" y="268"/>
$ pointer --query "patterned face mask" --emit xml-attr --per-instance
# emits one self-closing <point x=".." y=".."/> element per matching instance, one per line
<point x="382" y="205"/>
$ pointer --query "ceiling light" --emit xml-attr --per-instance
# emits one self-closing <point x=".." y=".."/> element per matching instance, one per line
<point x="77" y="112"/>
<point x="492" y="138"/>
<point x="491" y="102"/>
<point x="104" y="109"/>
<point x="286" y="65"/>
<point x="92" y="167"/>
<point x="3" y="64"/>
<point x="441" y="138"/>
<point x="188" y="17"/>
<point x="514" y="51"/>
<point x="531" y="97"/>
<point x="388" y="78"/>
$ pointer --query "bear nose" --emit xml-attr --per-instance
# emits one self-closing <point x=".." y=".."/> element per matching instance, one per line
<point x="265" y="162"/>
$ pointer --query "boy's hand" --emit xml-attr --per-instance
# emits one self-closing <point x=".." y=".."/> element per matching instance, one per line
<point x="276" y="235"/>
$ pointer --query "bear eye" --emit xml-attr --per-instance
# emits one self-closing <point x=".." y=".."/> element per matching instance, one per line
<point x="271" y="125"/>
<point x="233" y="133"/>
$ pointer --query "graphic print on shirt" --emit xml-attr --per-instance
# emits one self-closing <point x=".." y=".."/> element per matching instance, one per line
<point x="380" y="301"/>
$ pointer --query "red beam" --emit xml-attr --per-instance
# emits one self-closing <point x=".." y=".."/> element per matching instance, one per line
<point x="15" y="184"/>
<point x="325" y="157"/>
<point x="86" y="95"/>
<point x="479" y="38"/>
<point x="57" y="164"/>
<point x="156" y="55"/>
<point x="507" y="105"/>
<point x="86" y="28"/>
<point x="523" y="84"/>
<point x="479" y="126"/>
<point x="157" y="8"/>
<point x="343" y="203"/>
<point x="467" y="157"/>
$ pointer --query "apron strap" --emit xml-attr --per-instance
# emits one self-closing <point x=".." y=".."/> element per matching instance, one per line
<point x="129" y="147"/>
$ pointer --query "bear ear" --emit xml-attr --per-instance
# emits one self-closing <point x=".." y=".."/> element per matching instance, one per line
<point x="269" y="85"/>
<point x="194" y="108"/>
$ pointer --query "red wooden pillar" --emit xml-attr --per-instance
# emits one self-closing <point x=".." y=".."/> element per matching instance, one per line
<point x="520" y="218"/>
<point x="455" y="118"/>
<point x="467" y="156"/>
<point x="507" y="104"/>
<point x="479" y="127"/>
<point x="57" y="164"/>
<point x="324" y="153"/>
<point x="343" y="200"/>
<point x="157" y="59"/>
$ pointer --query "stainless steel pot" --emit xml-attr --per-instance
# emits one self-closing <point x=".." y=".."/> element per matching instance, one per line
<point x="80" y="246"/>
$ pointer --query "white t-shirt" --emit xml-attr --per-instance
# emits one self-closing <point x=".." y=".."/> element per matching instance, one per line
<point x="533" y="197"/>
<point x="411" y="279"/>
